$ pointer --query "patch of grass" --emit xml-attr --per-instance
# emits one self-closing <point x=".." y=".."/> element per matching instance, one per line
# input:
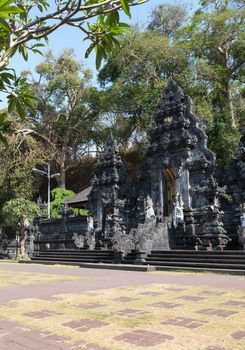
<point x="10" y="278"/>
<point x="216" y="332"/>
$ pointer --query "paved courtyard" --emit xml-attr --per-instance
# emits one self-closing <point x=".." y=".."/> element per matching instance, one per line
<point x="71" y="308"/>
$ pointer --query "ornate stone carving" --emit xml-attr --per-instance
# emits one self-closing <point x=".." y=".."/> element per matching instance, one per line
<point x="177" y="165"/>
<point x="78" y="240"/>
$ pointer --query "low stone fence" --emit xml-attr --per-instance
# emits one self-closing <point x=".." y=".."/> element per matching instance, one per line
<point x="58" y="233"/>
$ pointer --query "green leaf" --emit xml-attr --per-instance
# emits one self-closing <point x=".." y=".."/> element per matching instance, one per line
<point x="4" y="3"/>
<point x="98" y="59"/>
<point x="5" y="25"/>
<point x="20" y="110"/>
<point x="11" y="104"/>
<point x="13" y="10"/>
<point x="100" y="54"/>
<point x="125" y="7"/>
<point x="89" y="50"/>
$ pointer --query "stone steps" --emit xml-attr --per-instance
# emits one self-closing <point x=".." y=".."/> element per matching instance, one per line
<point x="224" y="261"/>
<point x="74" y="259"/>
<point x="76" y="256"/>
<point x="202" y="260"/>
<point x="199" y="252"/>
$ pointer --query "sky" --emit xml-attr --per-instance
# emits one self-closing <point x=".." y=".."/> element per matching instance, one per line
<point x="67" y="37"/>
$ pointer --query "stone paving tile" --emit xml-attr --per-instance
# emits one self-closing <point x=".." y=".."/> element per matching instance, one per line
<point x="214" y="347"/>
<point x="212" y="292"/>
<point x="235" y="303"/>
<point x="41" y="314"/>
<point x="93" y="346"/>
<point x="175" y="289"/>
<point x="151" y="293"/>
<point x="216" y="312"/>
<point x="143" y="338"/>
<point x="238" y="335"/>
<point x="191" y="298"/>
<point x="185" y="322"/>
<point x="13" y="337"/>
<point x="90" y="305"/>
<point x="165" y="305"/>
<point x="124" y="299"/>
<point x="131" y="312"/>
<point x="85" y="324"/>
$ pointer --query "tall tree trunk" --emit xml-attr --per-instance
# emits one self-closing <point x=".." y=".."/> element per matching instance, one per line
<point x="61" y="180"/>
<point x="22" y="236"/>
<point x="230" y="106"/>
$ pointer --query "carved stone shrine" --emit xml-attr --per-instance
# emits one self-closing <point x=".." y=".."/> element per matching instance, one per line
<point x="176" y="201"/>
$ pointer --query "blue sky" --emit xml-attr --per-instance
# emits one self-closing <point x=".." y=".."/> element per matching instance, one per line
<point x="68" y="37"/>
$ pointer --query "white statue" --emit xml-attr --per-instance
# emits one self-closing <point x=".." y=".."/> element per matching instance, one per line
<point x="178" y="213"/>
<point x="149" y="211"/>
<point x="90" y="224"/>
<point x="241" y="229"/>
<point x="78" y="240"/>
<point x="242" y="220"/>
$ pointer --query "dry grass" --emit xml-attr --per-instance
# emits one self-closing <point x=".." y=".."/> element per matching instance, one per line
<point x="10" y="278"/>
<point x="216" y="332"/>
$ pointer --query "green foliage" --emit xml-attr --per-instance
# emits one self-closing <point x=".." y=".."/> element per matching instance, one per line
<point x="22" y="154"/>
<point x="18" y="208"/>
<point x="206" y="55"/>
<point x="167" y="19"/>
<point x="5" y="127"/>
<point x="59" y="195"/>
<point x="78" y="211"/>
<point x="133" y="79"/>
<point x="67" y="111"/>
<point x="25" y="27"/>
<point x="215" y="36"/>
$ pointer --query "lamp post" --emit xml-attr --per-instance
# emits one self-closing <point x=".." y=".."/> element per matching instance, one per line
<point x="49" y="177"/>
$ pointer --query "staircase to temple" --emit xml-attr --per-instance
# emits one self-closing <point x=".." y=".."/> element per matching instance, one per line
<point x="197" y="260"/>
<point x="217" y="261"/>
<point x="73" y="256"/>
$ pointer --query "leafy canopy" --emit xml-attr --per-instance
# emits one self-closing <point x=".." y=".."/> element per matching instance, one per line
<point x="18" y="208"/>
<point x="26" y="25"/>
<point x="58" y="196"/>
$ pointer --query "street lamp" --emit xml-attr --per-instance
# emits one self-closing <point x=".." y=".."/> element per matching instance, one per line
<point x="49" y="176"/>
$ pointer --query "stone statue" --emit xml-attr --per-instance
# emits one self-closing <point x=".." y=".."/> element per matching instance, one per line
<point x="241" y="229"/>
<point x="78" y="240"/>
<point x="90" y="224"/>
<point x="149" y="211"/>
<point x="178" y="214"/>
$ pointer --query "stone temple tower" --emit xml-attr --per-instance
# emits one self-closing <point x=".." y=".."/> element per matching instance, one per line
<point x="178" y="177"/>
<point x="175" y="203"/>
<point x="108" y="196"/>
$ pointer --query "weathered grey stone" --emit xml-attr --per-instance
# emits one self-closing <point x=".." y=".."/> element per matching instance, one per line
<point x="176" y="201"/>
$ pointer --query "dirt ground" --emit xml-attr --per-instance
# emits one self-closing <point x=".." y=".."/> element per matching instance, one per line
<point x="71" y="308"/>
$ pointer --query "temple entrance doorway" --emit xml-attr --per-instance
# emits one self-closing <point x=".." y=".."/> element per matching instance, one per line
<point x="169" y="190"/>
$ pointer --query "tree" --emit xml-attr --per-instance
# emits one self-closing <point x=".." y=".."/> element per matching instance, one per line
<point x="16" y="180"/>
<point x="133" y="79"/>
<point x="58" y="196"/>
<point x="18" y="212"/>
<point x="25" y="24"/>
<point x="66" y="112"/>
<point x="167" y="19"/>
<point x="205" y="54"/>
<point x="17" y="161"/>
<point x="216" y="37"/>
